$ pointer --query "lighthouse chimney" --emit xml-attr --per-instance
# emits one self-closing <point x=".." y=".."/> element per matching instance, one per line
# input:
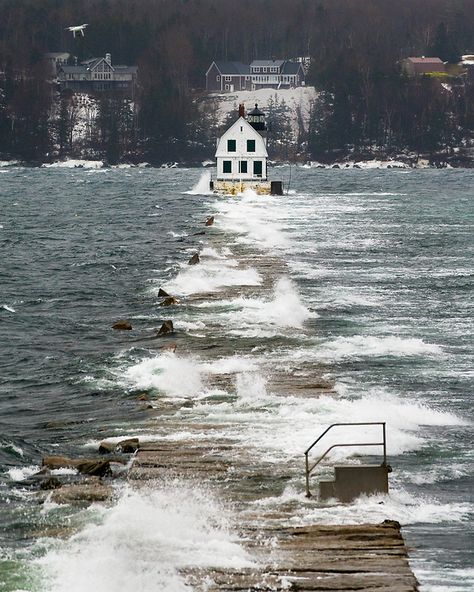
<point x="241" y="110"/>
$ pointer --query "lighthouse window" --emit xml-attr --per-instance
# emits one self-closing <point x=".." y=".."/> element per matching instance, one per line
<point x="231" y="146"/>
<point x="227" y="166"/>
<point x="243" y="166"/>
<point x="250" y="145"/>
<point x="257" y="168"/>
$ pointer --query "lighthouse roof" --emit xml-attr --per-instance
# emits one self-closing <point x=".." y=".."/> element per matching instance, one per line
<point x="256" y="111"/>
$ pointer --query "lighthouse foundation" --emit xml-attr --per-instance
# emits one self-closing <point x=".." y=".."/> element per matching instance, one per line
<point x="234" y="187"/>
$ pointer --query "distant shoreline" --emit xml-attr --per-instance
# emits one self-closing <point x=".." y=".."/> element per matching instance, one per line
<point x="364" y="164"/>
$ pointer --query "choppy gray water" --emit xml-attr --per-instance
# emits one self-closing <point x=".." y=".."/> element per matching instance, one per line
<point x="362" y="276"/>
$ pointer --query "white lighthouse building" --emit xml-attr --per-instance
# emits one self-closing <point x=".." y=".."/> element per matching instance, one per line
<point x="241" y="156"/>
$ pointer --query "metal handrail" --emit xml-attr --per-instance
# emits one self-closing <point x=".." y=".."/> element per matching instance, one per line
<point x="383" y="443"/>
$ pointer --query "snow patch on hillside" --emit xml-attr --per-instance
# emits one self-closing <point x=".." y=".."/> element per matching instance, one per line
<point x="298" y="100"/>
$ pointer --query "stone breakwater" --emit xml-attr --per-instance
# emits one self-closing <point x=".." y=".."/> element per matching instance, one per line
<point x="286" y="555"/>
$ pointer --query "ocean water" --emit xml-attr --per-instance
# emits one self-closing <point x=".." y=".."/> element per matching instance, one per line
<point x="360" y="278"/>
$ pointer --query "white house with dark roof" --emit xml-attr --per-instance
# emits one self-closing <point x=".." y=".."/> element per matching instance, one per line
<point x="241" y="156"/>
<point x="235" y="76"/>
<point x="242" y="152"/>
<point x="98" y="75"/>
<point x="276" y="74"/>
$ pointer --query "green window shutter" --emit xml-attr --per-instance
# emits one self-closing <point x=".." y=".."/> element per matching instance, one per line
<point x="227" y="166"/>
<point x="231" y="145"/>
<point x="243" y="166"/>
<point x="250" y="145"/>
<point x="257" y="168"/>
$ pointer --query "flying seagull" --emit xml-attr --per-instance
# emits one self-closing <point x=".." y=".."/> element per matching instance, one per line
<point x="79" y="29"/>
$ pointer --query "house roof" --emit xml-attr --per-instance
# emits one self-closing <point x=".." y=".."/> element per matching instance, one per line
<point x="291" y="68"/>
<point x="232" y="68"/>
<point x="266" y="63"/>
<point x="74" y="69"/>
<point x="241" y="121"/>
<point x="424" y="60"/>
<point x="126" y="69"/>
<point x="93" y="62"/>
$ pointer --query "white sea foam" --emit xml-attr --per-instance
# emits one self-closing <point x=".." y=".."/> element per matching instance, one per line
<point x="202" y="187"/>
<point x="75" y="164"/>
<point x="22" y="473"/>
<point x="360" y="346"/>
<point x="261" y="415"/>
<point x="435" y="474"/>
<point x="172" y="375"/>
<point x="256" y="220"/>
<point x="189" y="325"/>
<point x="214" y="272"/>
<point x="398" y="505"/>
<point x="258" y="317"/>
<point x="142" y="542"/>
<point x="7" y="307"/>
<point x="230" y="365"/>
<point x="433" y="579"/>
<point x="178" y="376"/>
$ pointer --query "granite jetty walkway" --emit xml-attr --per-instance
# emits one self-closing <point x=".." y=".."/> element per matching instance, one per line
<point x="368" y="557"/>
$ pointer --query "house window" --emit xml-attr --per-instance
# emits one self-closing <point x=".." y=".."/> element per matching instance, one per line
<point x="243" y="166"/>
<point x="250" y="145"/>
<point x="231" y="146"/>
<point x="247" y="78"/>
<point x="228" y="78"/>
<point x="218" y="78"/>
<point x="227" y="166"/>
<point x="257" y="168"/>
<point x="256" y="69"/>
<point x="227" y="87"/>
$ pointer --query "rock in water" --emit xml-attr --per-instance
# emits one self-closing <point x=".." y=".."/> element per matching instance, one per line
<point x="162" y="293"/>
<point x="194" y="259"/>
<point x="166" y="328"/>
<point x="107" y="447"/>
<point x="96" y="468"/>
<point x="129" y="446"/>
<point x="170" y="301"/>
<point x="210" y="221"/>
<point x="58" y="462"/>
<point x="92" y="490"/>
<point x="122" y="326"/>
<point x="50" y="483"/>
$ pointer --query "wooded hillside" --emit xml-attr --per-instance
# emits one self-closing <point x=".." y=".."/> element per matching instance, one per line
<point x="365" y="104"/>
